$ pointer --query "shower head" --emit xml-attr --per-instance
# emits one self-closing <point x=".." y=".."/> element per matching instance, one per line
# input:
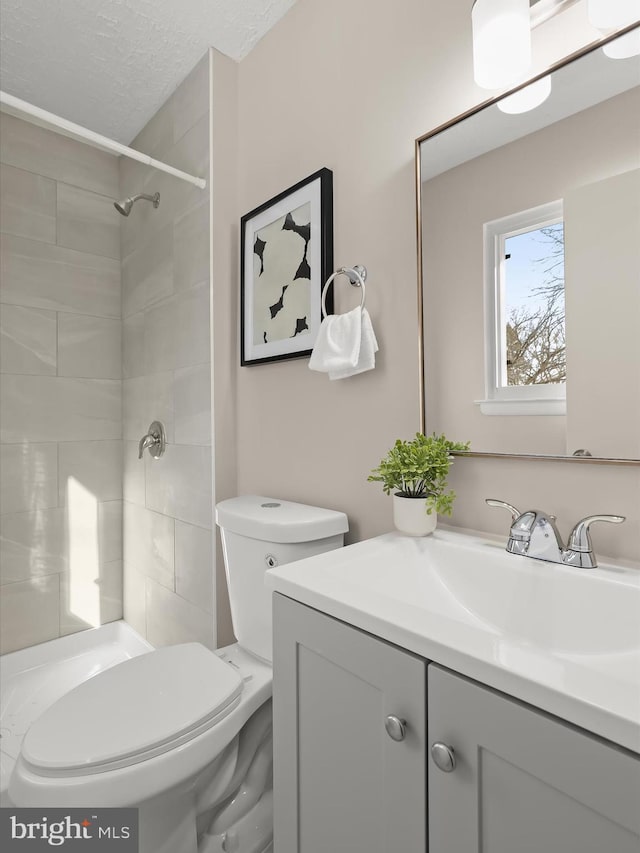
<point x="124" y="207"/>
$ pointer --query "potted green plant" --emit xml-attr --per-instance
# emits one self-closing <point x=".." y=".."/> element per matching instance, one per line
<point x="416" y="472"/>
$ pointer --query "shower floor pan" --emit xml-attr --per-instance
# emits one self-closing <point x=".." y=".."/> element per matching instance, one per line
<point x="33" y="679"/>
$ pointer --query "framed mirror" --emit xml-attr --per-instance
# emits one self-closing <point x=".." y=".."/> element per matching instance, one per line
<point x="529" y="266"/>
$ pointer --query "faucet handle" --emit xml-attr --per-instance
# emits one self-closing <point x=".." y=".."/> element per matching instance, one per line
<point x="155" y="440"/>
<point x="515" y="513"/>
<point x="146" y="441"/>
<point x="579" y="538"/>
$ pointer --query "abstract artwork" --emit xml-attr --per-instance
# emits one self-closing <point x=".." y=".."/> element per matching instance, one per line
<point x="286" y="256"/>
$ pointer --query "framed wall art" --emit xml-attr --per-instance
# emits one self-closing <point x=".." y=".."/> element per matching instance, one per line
<point x="286" y="256"/>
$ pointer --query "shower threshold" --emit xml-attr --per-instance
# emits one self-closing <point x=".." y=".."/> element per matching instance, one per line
<point x="32" y="679"/>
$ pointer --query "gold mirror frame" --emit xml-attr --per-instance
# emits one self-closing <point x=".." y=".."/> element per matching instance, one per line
<point x="592" y="460"/>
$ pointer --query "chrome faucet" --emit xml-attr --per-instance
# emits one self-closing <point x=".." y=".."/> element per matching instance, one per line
<point x="155" y="440"/>
<point x="534" y="534"/>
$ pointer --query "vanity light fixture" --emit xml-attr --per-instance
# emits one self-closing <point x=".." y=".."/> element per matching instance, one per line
<point x="528" y="98"/>
<point x="501" y="42"/>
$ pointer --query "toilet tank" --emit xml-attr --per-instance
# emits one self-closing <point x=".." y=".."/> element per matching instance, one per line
<point x="259" y="533"/>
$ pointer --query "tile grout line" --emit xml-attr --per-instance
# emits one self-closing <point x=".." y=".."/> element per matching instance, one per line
<point x="59" y="606"/>
<point x="58" y="473"/>
<point x="101" y="267"/>
<point x="58" y="180"/>
<point x="54" y="309"/>
<point x="64" y="376"/>
<point x="56" y="210"/>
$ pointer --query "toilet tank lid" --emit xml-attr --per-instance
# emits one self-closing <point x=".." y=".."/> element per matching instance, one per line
<point x="275" y="520"/>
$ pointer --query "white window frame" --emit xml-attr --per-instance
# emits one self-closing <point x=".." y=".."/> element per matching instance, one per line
<point x="501" y="399"/>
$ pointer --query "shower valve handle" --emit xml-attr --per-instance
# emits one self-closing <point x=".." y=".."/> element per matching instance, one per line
<point x="154" y="440"/>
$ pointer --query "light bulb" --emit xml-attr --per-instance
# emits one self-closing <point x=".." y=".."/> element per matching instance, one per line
<point x="501" y="42"/>
<point x="624" y="46"/>
<point x="528" y="98"/>
<point x="612" y="14"/>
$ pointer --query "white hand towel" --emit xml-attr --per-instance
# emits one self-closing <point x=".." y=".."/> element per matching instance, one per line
<point x="338" y="342"/>
<point x="345" y="345"/>
<point x="366" y="356"/>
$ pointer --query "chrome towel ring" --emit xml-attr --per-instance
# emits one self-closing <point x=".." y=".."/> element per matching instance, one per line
<point x="357" y="276"/>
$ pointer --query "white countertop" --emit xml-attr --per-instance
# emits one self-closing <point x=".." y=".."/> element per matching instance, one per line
<point x="565" y="640"/>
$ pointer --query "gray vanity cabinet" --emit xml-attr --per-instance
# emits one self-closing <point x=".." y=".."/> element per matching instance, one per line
<point x="524" y="782"/>
<point x="511" y="779"/>
<point x="342" y="784"/>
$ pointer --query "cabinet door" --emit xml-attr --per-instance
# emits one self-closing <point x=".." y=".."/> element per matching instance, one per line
<point x="341" y="784"/>
<point x="524" y="782"/>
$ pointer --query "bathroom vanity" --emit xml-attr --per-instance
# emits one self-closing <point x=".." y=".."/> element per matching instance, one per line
<point x="441" y="694"/>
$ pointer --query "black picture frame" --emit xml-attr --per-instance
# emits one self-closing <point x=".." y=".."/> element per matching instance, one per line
<point x="286" y="256"/>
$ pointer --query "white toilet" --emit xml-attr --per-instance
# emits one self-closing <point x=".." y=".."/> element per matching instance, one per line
<point x="184" y="733"/>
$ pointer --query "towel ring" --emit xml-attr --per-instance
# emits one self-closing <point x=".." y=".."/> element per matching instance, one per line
<point x="357" y="276"/>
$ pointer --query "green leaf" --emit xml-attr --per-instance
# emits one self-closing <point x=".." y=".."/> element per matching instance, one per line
<point x="420" y="467"/>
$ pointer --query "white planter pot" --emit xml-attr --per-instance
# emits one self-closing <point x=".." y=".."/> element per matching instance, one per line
<point x="410" y="516"/>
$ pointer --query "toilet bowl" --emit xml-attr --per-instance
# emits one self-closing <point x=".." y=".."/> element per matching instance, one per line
<point x="183" y="733"/>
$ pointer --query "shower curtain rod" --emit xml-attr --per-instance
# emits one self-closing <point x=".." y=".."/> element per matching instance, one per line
<point x="23" y="109"/>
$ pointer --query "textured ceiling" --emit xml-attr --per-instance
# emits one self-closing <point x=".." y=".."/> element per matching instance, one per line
<point x="109" y="64"/>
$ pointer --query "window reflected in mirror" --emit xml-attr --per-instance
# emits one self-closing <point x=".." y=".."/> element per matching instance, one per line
<point x="524" y="284"/>
<point x="534" y="307"/>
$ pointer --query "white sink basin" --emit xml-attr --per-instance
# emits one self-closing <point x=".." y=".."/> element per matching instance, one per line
<point x="564" y="609"/>
<point x="564" y="639"/>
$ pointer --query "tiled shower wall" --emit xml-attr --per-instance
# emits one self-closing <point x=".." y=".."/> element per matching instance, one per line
<point x="60" y="387"/>
<point x="168" y="567"/>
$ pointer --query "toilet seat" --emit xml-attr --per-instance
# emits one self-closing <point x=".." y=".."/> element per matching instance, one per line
<point x="141" y="708"/>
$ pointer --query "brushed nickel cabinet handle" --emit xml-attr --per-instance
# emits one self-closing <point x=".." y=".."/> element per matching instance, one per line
<point x="396" y="728"/>
<point x="443" y="757"/>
